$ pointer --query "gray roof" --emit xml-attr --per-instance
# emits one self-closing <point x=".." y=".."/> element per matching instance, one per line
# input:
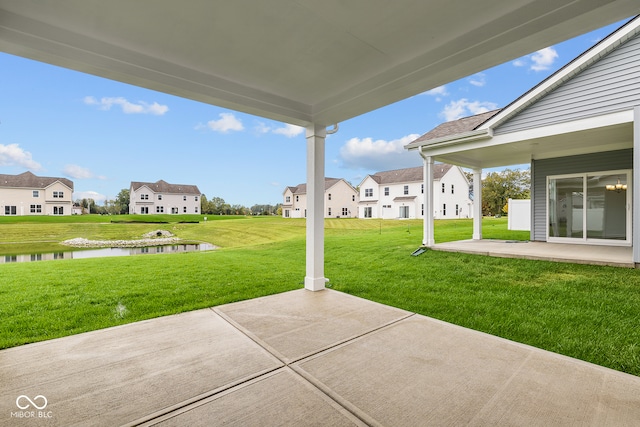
<point x="164" y="187"/>
<point x="455" y="127"/>
<point x="409" y="175"/>
<point x="29" y="180"/>
<point x="302" y="188"/>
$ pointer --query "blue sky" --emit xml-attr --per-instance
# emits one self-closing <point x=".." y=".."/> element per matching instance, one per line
<point x="104" y="134"/>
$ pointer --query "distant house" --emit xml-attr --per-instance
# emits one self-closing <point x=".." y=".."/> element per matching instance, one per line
<point x="400" y="194"/>
<point x="161" y="197"/>
<point x="340" y="200"/>
<point x="28" y="194"/>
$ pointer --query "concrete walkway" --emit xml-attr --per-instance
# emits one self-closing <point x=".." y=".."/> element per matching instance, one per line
<point x="302" y="358"/>
<point x="616" y="256"/>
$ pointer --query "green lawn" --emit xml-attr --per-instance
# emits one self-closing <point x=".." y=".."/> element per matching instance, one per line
<point x="588" y="312"/>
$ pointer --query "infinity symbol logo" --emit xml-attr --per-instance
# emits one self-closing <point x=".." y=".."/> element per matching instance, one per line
<point x="31" y="402"/>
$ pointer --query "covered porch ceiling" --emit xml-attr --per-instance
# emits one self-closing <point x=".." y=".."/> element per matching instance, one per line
<point x="296" y="61"/>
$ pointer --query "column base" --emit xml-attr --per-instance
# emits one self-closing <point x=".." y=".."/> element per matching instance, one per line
<point x="315" y="283"/>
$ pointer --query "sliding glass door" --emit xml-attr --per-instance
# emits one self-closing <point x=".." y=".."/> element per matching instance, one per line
<point x="592" y="207"/>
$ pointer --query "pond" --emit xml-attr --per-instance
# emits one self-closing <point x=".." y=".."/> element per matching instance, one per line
<point x="107" y="252"/>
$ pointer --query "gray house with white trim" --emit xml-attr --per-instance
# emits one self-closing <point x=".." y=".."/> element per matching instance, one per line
<point x="579" y="130"/>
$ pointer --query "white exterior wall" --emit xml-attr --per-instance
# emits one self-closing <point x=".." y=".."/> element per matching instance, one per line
<point x="389" y="206"/>
<point x="22" y="199"/>
<point x="343" y="202"/>
<point x="369" y="201"/>
<point x="459" y="198"/>
<point x="165" y="204"/>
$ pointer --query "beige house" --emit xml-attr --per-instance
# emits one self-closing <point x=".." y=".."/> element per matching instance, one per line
<point x="160" y="197"/>
<point x="340" y="200"/>
<point x="400" y="194"/>
<point x="28" y="194"/>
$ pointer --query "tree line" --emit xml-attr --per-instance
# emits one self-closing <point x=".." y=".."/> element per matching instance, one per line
<point x="213" y="206"/>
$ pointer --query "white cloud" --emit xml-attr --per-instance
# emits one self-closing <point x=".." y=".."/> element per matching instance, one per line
<point x="262" y="128"/>
<point x="289" y="130"/>
<point x="97" y="197"/>
<point x="478" y="80"/>
<point x="127" y="107"/>
<point x="78" y="172"/>
<point x="463" y="108"/>
<point x="543" y="59"/>
<point x="519" y="63"/>
<point x="378" y="155"/>
<point x="437" y="91"/>
<point x="13" y="155"/>
<point x="227" y="122"/>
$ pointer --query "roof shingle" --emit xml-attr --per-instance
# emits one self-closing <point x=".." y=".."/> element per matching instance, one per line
<point x="164" y="187"/>
<point x="29" y="180"/>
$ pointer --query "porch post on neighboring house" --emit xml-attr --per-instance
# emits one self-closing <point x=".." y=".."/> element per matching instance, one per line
<point x="635" y="204"/>
<point x="314" y="279"/>
<point x="477" y="204"/>
<point x="427" y="227"/>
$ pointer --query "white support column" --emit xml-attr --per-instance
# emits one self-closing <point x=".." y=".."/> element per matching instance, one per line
<point x="428" y="239"/>
<point x="477" y="204"/>
<point x="635" y="202"/>
<point x="314" y="279"/>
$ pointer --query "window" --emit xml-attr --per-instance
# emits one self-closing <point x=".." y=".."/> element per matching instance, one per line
<point x="329" y="212"/>
<point x="457" y="210"/>
<point x="58" y="210"/>
<point x="184" y="209"/>
<point x="368" y="192"/>
<point x="297" y="198"/>
<point x="345" y="211"/>
<point x="286" y="213"/>
<point x="329" y="195"/>
<point x="174" y="210"/>
<point x="10" y="210"/>
<point x="196" y="198"/>
<point x="287" y="199"/>
<point x="406" y="190"/>
<point x="36" y="193"/>
<point x="422" y="188"/>
<point x="36" y="208"/>
<point x="353" y="198"/>
<point x="443" y="190"/>
<point x="184" y="198"/>
<point x="422" y="209"/>
<point x="444" y="210"/>
<point x="367" y="212"/>
<point x="452" y="192"/>
<point x="144" y="210"/>
<point x="196" y="209"/>
<point x="159" y="209"/>
<point x="58" y="194"/>
<point x="386" y="191"/>
<point x="144" y="197"/>
<point x="159" y="196"/>
<point x="404" y="211"/>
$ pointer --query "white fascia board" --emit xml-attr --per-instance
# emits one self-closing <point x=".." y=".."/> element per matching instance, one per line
<point x="568" y="72"/>
<point x="619" y="117"/>
<point x="460" y="138"/>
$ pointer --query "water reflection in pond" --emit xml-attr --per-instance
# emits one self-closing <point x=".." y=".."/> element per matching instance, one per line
<point x="107" y="252"/>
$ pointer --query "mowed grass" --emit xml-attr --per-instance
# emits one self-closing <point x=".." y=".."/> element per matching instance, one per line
<point x="588" y="312"/>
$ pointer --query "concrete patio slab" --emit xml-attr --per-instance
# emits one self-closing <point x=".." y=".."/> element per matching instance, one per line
<point x="300" y="323"/>
<point x="281" y="398"/>
<point x="422" y="371"/>
<point x="118" y="375"/>
<point x="615" y="256"/>
<point x="305" y="358"/>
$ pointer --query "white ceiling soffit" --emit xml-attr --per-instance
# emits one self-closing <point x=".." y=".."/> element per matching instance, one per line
<point x="297" y="61"/>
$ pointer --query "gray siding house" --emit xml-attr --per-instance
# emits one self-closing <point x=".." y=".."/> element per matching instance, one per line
<point x="580" y="132"/>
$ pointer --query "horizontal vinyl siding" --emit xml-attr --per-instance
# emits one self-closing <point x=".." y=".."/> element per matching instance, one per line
<point x="611" y="84"/>
<point x="541" y="169"/>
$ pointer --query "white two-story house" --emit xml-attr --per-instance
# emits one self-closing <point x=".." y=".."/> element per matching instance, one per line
<point x="340" y="200"/>
<point x="400" y="194"/>
<point x="160" y="197"/>
<point x="28" y="194"/>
